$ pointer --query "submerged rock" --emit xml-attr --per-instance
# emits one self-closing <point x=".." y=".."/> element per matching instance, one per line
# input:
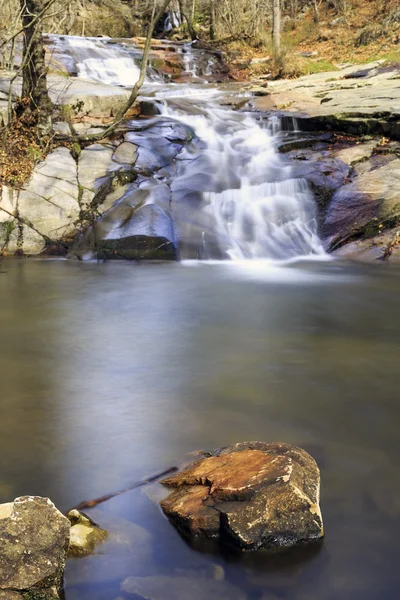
<point x="85" y="534"/>
<point x="159" y="587"/>
<point x="34" y="538"/>
<point x="127" y="550"/>
<point x="251" y="495"/>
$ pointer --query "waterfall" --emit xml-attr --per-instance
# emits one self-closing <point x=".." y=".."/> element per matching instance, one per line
<point x="98" y="60"/>
<point x="249" y="201"/>
<point x="256" y="206"/>
<point x="173" y="20"/>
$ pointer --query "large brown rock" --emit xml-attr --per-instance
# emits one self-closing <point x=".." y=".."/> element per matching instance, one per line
<point x="34" y="538"/>
<point x="250" y="495"/>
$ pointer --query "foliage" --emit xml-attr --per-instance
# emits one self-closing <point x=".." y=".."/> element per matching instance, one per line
<point x="21" y="151"/>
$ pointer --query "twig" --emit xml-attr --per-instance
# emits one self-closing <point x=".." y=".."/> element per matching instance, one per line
<point x="92" y="503"/>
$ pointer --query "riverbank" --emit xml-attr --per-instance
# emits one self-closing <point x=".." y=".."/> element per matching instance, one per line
<point x="343" y="142"/>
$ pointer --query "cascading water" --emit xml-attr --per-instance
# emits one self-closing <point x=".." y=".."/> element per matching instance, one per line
<point x="173" y="20"/>
<point x="98" y="60"/>
<point x="257" y="207"/>
<point x="248" y="201"/>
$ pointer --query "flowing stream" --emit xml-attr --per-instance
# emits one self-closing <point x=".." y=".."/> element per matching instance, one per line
<point x="111" y="372"/>
<point x="253" y="204"/>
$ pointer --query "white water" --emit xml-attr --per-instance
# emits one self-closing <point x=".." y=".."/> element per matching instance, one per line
<point x="262" y="210"/>
<point x="96" y="60"/>
<point x="255" y="205"/>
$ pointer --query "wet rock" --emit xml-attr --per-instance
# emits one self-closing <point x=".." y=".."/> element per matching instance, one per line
<point x="126" y="153"/>
<point x="365" y="206"/>
<point x="138" y="247"/>
<point x="148" y="108"/>
<point x="383" y="247"/>
<point x="138" y="227"/>
<point x="126" y="551"/>
<point x="34" y="538"/>
<point x="158" y="587"/>
<point x="85" y="534"/>
<point x="251" y="495"/>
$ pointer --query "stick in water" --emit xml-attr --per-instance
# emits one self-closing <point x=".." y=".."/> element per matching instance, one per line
<point x="92" y="503"/>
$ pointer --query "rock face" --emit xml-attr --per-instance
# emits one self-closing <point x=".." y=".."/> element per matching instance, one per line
<point x="50" y="200"/>
<point x="365" y="206"/>
<point x="251" y="495"/>
<point x="34" y="538"/>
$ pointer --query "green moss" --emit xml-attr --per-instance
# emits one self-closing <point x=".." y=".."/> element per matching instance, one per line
<point x="318" y="66"/>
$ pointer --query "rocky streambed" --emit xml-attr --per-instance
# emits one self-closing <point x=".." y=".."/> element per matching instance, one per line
<point x="172" y="183"/>
<point x="255" y="496"/>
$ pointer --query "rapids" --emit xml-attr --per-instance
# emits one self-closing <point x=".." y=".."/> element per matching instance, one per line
<point x="252" y="205"/>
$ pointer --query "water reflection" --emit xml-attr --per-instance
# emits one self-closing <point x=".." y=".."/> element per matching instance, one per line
<point x="112" y="372"/>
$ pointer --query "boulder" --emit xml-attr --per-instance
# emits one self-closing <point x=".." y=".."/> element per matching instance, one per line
<point x="251" y="496"/>
<point x="137" y="227"/>
<point x="34" y="539"/>
<point x="49" y="203"/>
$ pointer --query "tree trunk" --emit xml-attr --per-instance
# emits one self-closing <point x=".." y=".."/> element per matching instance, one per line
<point x="191" y="29"/>
<point x="316" y="12"/>
<point x="276" y="26"/>
<point x="34" y="72"/>
<point x="212" y="20"/>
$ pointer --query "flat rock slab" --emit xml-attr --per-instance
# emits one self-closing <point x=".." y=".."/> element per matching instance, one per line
<point x="347" y="100"/>
<point x="252" y="495"/>
<point x="34" y="538"/>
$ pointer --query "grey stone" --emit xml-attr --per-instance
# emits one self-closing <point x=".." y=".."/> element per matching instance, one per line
<point x="62" y="127"/>
<point x="158" y="587"/>
<point x="363" y="207"/>
<point x="49" y="201"/>
<point x="94" y="163"/>
<point x="34" y="538"/>
<point x="126" y="153"/>
<point x="139" y="226"/>
<point x="356" y="153"/>
<point x="356" y="105"/>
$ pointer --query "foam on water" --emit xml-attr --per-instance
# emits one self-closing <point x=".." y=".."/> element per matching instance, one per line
<point x="253" y="203"/>
<point x="262" y="210"/>
<point x="97" y="60"/>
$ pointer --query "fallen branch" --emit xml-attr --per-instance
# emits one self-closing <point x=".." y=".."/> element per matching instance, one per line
<point x="92" y="503"/>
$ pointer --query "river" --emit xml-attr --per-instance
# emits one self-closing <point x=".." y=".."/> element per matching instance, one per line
<point x="112" y="372"/>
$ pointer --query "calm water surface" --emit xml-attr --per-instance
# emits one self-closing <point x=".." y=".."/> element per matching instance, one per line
<point x="112" y="372"/>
